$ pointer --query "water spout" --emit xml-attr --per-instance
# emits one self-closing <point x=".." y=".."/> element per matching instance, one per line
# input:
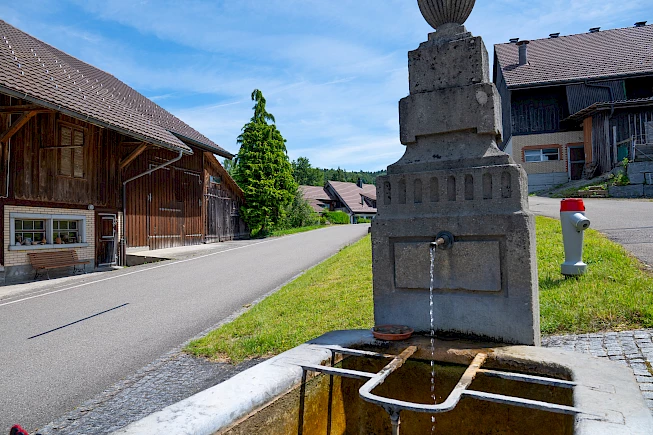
<point x="444" y="240"/>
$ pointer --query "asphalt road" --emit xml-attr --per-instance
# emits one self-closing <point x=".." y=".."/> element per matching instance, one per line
<point x="627" y="222"/>
<point x="61" y="345"/>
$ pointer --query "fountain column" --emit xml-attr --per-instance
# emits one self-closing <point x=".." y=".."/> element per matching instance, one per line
<point x="453" y="177"/>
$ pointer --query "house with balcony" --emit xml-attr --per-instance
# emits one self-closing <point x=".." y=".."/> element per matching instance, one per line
<point x="574" y="106"/>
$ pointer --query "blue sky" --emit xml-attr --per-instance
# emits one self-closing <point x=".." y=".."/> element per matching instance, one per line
<point x="331" y="70"/>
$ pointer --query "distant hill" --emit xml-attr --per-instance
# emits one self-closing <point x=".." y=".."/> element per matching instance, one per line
<point x="350" y="176"/>
<point x="307" y="175"/>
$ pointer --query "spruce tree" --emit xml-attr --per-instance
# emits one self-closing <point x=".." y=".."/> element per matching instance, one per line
<point x="262" y="170"/>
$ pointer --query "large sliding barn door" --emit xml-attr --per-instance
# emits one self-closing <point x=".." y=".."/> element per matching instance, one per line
<point x="175" y="208"/>
<point x="165" y="214"/>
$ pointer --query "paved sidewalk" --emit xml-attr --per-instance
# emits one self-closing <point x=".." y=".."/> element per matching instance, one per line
<point x="630" y="348"/>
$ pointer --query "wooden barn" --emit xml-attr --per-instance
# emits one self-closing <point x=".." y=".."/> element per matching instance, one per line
<point x="89" y="165"/>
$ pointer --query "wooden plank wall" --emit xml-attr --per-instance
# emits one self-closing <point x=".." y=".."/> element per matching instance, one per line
<point x="34" y="162"/>
<point x="222" y="205"/>
<point x="173" y="215"/>
<point x="33" y="170"/>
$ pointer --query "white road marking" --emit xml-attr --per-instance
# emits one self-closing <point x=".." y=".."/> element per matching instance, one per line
<point x="138" y="271"/>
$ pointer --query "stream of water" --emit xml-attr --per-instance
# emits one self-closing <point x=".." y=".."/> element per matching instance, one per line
<point x="433" y="397"/>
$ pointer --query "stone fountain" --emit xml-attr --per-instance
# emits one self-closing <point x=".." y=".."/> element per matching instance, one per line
<point x="455" y="187"/>
<point x="454" y="178"/>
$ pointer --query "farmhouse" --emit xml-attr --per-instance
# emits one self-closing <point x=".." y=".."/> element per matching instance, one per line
<point x="89" y="164"/>
<point x="358" y="200"/>
<point x="574" y="106"/>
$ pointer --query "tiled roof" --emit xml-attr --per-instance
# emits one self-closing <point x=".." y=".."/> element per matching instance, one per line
<point x="40" y="73"/>
<point x="315" y="195"/>
<point x="352" y="195"/>
<point x="605" y="54"/>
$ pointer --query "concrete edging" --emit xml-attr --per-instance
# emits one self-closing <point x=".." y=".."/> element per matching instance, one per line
<point x="606" y="391"/>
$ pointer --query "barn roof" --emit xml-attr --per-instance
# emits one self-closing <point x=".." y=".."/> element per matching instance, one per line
<point x="35" y="71"/>
<point x="315" y="196"/>
<point x="353" y="196"/>
<point x="603" y="54"/>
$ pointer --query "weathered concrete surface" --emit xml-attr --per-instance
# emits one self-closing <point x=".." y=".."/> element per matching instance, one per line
<point x="636" y="171"/>
<point x="454" y="178"/>
<point x="648" y="191"/>
<point x="606" y="393"/>
<point x="629" y="191"/>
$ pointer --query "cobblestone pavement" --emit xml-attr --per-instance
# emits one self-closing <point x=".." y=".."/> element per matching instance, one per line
<point x="630" y="348"/>
<point x="168" y="380"/>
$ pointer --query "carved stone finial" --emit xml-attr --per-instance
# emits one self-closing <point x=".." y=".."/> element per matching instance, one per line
<point x="439" y="12"/>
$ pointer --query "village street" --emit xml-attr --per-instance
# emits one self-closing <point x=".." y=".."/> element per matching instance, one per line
<point x="62" y="345"/>
<point x="627" y="222"/>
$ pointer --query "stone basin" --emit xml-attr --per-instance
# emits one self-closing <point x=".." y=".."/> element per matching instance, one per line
<point x="272" y="399"/>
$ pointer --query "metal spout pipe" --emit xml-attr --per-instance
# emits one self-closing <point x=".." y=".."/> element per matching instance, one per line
<point x="444" y="240"/>
<point x="438" y="242"/>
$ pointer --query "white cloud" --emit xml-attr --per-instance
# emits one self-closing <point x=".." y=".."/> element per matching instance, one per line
<point x="332" y="71"/>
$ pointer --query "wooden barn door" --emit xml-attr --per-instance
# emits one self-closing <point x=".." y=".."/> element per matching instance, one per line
<point x="219" y="223"/>
<point x="188" y="185"/>
<point x="165" y="218"/>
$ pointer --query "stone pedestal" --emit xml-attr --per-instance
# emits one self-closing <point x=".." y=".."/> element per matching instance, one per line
<point x="454" y="178"/>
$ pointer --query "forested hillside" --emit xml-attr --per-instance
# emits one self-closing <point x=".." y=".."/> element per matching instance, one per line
<point x="307" y="175"/>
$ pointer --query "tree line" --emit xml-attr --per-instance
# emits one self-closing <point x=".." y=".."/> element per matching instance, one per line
<point x="307" y="175"/>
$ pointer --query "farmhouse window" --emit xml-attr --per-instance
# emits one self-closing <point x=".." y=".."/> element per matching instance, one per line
<point x="65" y="231"/>
<point x="28" y="231"/>
<point x="71" y="152"/>
<point x="542" y="155"/>
<point x="46" y="231"/>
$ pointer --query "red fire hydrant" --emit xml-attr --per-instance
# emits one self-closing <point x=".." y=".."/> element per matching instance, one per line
<point x="574" y="223"/>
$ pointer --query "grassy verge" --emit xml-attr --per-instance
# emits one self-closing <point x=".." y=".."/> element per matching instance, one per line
<point x="615" y="294"/>
<point x="337" y="294"/>
<point x="278" y="233"/>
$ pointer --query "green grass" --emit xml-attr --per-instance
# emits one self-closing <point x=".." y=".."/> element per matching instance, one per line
<point x="573" y="191"/>
<point x="615" y="294"/>
<point x="288" y="231"/>
<point x="336" y="294"/>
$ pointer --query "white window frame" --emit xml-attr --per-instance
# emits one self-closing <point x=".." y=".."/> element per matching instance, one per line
<point x="48" y="218"/>
<point x="540" y="155"/>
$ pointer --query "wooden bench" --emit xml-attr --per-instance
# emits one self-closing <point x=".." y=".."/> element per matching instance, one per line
<point x="55" y="259"/>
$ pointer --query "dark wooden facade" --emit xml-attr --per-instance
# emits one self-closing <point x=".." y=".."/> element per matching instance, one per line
<point x="223" y="200"/>
<point x="166" y="208"/>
